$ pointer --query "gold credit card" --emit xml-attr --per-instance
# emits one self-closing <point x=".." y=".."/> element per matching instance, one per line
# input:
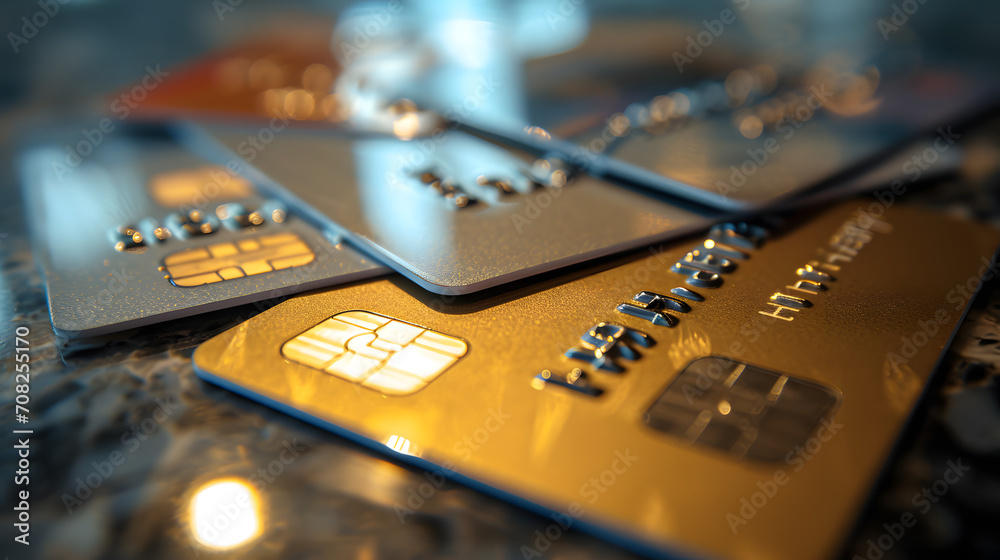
<point x="730" y="395"/>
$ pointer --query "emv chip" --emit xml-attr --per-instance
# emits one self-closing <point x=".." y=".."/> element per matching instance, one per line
<point x="385" y="354"/>
<point x="246" y="257"/>
<point x="742" y="409"/>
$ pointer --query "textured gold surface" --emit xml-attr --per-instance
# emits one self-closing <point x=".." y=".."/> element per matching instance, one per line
<point x="550" y="445"/>
<point x="226" y="261"/>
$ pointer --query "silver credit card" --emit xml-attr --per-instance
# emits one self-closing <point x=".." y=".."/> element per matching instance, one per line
<point x="452" y="212"/>
<point x="142" y="230"/>
<point x="753" y="150"/>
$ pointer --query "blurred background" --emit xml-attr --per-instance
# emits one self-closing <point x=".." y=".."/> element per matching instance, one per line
<point x="91" y="47"/>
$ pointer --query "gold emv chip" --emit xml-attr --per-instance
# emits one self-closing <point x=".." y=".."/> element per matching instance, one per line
<point x="247" y="257"/>
<point x="385" y="354"/>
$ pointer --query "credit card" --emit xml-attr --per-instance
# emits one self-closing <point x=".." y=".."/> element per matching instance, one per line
<point x="732" y="147"/>
<point x="284" y="58"/>
<point x="454" y="213"/>
<point x="139" y="230"/>
<point x="727" y="133"/>
<point x="734" y="395"/>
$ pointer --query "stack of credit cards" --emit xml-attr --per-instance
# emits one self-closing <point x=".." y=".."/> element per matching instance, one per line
<point x="666" y="319"/>
<point x="143" y="230"/>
